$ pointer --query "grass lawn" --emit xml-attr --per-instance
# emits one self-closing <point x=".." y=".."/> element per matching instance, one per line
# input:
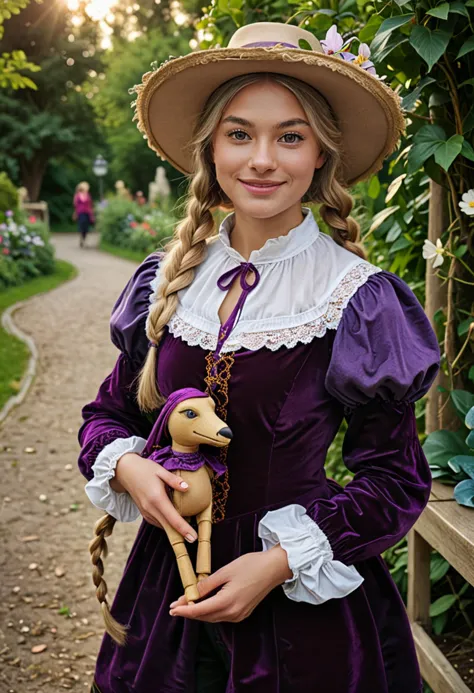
<point x="133" y="255"/>
<point x="14" y="354"/>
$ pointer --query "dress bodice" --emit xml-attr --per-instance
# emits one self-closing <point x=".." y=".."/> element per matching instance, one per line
<point x="280" y="413"/>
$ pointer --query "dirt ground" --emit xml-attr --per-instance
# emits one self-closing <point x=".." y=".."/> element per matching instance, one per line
<point x="50" y="623"/>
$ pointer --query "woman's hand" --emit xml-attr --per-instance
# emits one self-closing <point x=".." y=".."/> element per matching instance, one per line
<point x="146" y="482"/>
<point x="244" y="583"/>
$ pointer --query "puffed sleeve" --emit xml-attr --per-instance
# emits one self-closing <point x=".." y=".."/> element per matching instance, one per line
<point x="384" y="357"/>
<point x="113" y="423"/>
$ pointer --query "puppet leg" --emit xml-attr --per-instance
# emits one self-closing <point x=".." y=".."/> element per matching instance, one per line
<point x="203" y="560"/>
<point x="185" y="567"/>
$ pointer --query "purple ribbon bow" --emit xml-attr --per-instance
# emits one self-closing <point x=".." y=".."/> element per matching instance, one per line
<point x="224" y="283"/>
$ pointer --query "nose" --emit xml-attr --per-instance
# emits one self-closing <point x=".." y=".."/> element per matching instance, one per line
<point x="226" y="433"/>
<point x="262" y="158"/>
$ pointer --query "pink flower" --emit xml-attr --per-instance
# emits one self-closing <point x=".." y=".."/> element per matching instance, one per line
<point x="133" y="224"/>
<point x="362" y="59"/>
<point x="333" y="41"/>
<point x="5" y="251"/>
<point x="1" y="239"/>
<point x="32" y="219"/>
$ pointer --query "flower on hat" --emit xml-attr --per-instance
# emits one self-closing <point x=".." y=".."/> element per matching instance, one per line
<point x="467" y="204"/>
<point x="333" y="42"/>
<point x="362" y="59"/>
<point x="430" y="251"/>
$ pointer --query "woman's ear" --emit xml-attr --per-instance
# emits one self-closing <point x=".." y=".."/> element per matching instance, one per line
<point x="320" y="160"/>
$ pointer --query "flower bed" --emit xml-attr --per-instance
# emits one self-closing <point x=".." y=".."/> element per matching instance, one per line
<point x="124" y="224"/>
<point x="25" y="250"/>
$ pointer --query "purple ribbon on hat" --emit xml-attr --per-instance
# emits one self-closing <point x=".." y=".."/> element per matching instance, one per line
<point x="159" y="429"/>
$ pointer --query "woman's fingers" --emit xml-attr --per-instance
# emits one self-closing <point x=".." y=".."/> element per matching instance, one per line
<point x="173" y="480"/>
<point x="172" y="517"/>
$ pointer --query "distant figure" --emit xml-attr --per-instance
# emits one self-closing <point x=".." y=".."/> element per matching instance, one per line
<point x="83" y="211"/>
<point x="140" y="198"/>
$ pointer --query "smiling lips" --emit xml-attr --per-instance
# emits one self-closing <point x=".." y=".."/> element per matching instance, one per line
<point x="260" y="187"/>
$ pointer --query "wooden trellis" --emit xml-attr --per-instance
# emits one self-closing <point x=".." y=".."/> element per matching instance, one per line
<point x="449" y="528"/>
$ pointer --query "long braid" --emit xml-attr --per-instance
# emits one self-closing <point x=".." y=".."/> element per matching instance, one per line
<point x="185" y="252"/>
<point x="335" y="210"/>
<point x="98" y="550"/>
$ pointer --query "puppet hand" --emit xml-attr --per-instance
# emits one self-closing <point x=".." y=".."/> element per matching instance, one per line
<point x="243" y="584"/>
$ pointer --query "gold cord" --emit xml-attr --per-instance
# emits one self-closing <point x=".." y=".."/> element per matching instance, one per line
<point x="220" y="378"/>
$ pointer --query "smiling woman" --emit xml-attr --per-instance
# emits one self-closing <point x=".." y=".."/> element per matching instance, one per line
<point x="288" y="329"/>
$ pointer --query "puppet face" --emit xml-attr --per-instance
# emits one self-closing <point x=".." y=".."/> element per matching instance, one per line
<point x="195" y="422"/>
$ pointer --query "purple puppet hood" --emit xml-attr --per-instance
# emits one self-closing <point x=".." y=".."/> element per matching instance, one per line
<point x="159" y="434"/>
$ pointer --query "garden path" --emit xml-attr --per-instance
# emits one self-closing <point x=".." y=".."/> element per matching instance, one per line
<point x="46" y="521"/>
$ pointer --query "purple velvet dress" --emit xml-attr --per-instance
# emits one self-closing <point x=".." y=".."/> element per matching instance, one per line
<point x="285" y="407"/>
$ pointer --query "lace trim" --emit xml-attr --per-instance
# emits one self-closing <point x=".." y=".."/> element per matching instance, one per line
<point x="331" y="314"/>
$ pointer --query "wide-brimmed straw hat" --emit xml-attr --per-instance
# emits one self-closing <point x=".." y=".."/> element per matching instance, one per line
<point x="170" y="98"/>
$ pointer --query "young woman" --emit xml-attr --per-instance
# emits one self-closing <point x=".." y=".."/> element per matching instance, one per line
<point x="290" y="330"/>
<point x="83" y="211"/>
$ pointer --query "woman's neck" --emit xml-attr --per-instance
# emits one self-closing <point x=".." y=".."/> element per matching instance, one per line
<point x="250" y="233"/>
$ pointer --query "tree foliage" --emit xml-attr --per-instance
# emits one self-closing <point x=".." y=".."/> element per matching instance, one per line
<point x="131" y="158"/>
<point x="57" y="118"/>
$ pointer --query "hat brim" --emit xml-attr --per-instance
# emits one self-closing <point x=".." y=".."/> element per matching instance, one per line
<point x="368" y="111"/>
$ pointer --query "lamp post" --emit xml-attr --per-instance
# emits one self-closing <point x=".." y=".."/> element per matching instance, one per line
<point x="100" y="170"/>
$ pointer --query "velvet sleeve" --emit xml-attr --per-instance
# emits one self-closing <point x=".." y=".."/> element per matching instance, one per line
<point x="114" y="413"/>
<point x="385" y="356"/>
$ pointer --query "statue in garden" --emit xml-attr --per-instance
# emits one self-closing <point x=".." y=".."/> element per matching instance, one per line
<point x="159" y="189"/>
<point x="122" y="191"/>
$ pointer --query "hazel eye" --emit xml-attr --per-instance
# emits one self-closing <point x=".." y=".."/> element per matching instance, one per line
<point x="190" y="414"/>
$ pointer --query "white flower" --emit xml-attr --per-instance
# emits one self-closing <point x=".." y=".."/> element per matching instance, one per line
<point x="27" y="238"/>
<point x="467" y="204"/>
<point x="430" y="251"/>
<point x="37" y="241"/>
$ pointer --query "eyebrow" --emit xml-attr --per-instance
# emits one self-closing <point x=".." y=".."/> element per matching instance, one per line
<point x="280" y="126"/>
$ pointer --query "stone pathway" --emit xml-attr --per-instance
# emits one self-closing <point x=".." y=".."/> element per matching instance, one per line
<point x="46" y="521"/>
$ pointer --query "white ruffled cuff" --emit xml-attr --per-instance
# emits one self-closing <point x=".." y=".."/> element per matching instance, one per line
<point x="316" y="576"/>
<point x="119" y="505"/>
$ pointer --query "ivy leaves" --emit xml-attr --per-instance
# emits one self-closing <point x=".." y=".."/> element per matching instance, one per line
<point x="430" y="45"/>
<point x="432" y="140"/>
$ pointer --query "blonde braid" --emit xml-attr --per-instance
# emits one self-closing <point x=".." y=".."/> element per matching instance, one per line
<point x="335" y="210"/>
<point x="98" y="549"/>
<point x="185" y="252"/>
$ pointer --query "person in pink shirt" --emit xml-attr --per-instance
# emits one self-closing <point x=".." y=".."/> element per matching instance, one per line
<point x="83" y="211"/>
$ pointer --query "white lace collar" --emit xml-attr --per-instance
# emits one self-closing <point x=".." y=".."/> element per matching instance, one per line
<point x="275" y="249"/>
<point x="306" y="281"/>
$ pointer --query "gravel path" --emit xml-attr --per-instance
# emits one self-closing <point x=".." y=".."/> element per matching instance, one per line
<point x="47" y="599"/>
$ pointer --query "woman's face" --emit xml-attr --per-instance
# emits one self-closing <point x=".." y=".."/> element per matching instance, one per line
<point x="265" y="151"/>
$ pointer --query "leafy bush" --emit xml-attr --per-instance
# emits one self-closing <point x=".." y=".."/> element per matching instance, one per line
<point x="125" y="224"/>
<point x="451" y="453"/>
<point x="25" y="251"/>
<point x="8" y="195"/>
